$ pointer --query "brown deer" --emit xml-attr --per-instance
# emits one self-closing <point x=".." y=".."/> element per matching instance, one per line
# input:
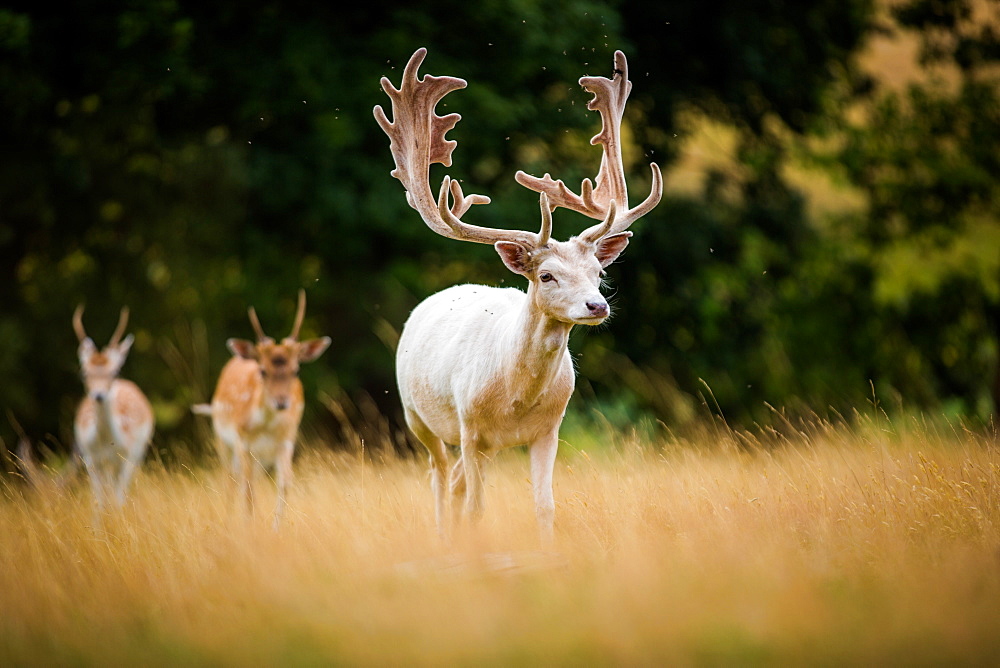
<point x="114" y="422"/>
<point x="258" y="404"/>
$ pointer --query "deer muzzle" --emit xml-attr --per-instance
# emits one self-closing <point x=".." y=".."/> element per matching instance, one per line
<point x="598" y="309"/>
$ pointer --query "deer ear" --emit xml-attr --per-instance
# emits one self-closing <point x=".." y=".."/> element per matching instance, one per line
<point x="125" y="345"/>
<point x="313" y="348"/>
<point x="87" y="348"/>
<point x="515" y="256"/>
<point x="610" y="247"/>
<point x="243" y="348"/>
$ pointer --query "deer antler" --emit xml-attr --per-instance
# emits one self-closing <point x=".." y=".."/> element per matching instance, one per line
<point x="81" y="333"/>
<point x="300" y="314"/>
<point x="609" y="100"/>
<point x="122" y="323"/>
<point x="261" y="336"/>
<point x="416" y="139"/>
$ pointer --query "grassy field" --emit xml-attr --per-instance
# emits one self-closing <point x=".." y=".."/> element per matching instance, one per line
<point x="873" y="544"/>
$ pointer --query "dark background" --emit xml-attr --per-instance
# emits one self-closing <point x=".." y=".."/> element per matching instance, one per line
<point x="829" y="237"/>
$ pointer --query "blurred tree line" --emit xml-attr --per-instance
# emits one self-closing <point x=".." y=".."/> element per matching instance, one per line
<point x="191" y="159"/>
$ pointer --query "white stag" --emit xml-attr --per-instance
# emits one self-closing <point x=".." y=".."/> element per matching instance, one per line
<point x="258" y="404"/>
<point x="487" y="368"/>
<point x="114" y="422"/>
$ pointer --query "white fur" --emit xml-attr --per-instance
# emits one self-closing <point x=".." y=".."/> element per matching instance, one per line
<point x="485" y="368"/>
<point x="488" y="368"/>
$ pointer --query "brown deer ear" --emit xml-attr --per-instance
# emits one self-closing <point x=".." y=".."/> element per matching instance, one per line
<point x="610" y="247"/>
<point x="313" y="348"/>
<point x="515" y="256"/>
<point x="243" y="348"/>
<point x="125" y="345"/>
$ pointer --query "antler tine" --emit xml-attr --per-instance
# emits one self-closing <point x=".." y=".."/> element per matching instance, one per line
<point x="546" y="231"/>
<point x="622" y="223"/>
<point x="601" y="230"/>
<point x="610" y="96"/>
<point x="122" y="323"/>
<point x="475" y="233"/>
<point x="416" y="140"/>
<point x="81" y="333"/>
<point x="300" y="314"/>
<point x="252" y="312"/>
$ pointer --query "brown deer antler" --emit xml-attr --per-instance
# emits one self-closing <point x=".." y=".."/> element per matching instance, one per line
<point x="416" y="139"/>
<point x="81" y="333"/>
<point x="122" y="323"/>
<point x="609" y="100"/>
<point x="300" y="314"/>
<point x="255" y="322"/>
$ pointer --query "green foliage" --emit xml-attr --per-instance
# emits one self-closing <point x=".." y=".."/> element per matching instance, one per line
<point x="192" y="159"/>
<point x="189" y="160"/>
<point x="928" y="163"/>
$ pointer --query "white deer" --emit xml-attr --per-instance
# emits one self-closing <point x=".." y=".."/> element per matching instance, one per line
<point x="487" y="368"/>
<point x="258" y="404"/>
<point x="114" y="422"/>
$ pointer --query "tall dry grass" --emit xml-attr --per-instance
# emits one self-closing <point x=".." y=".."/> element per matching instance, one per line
<point x="822" y="544"/>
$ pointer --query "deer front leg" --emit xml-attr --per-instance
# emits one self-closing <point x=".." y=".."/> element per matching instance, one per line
<point x="242" y="471"/>
<point x="543" y="460"/>
<point x="456" y="487"/>
<point x="472" y="462"/>
<point x="129" y="467"/>
<point x="98" y="485"/>
<point x="98" y="488"/>
<point x="282" y="477"/>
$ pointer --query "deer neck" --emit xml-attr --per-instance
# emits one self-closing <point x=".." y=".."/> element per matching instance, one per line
<point x="537" y="353"/>
<point x="104" y="411"/>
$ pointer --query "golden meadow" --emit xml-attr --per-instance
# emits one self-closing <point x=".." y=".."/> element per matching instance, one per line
<point x="815" y="543"/>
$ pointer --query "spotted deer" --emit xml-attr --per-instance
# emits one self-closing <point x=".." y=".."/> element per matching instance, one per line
<point x="114" y="421"/>
<point x="486" y="368"/>
<point x="258" y="402"/>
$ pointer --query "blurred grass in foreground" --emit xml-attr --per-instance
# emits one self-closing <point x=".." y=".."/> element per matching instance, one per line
<point x="820" y="544"/>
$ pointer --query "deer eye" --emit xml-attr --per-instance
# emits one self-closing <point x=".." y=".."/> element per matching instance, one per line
<point x="545" y="277"/>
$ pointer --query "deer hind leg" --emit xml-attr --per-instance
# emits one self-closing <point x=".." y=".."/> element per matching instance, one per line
<point x="439" y="469"/>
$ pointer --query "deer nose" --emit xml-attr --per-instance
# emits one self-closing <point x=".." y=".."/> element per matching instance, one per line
<point x="99" y="397"/>
<point x="281" y="404"/>
<point x="598" y="309"/>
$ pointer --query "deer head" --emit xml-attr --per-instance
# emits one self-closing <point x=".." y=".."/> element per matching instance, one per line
<point x="99" y="368"/>
<point x="279" y="362"/>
